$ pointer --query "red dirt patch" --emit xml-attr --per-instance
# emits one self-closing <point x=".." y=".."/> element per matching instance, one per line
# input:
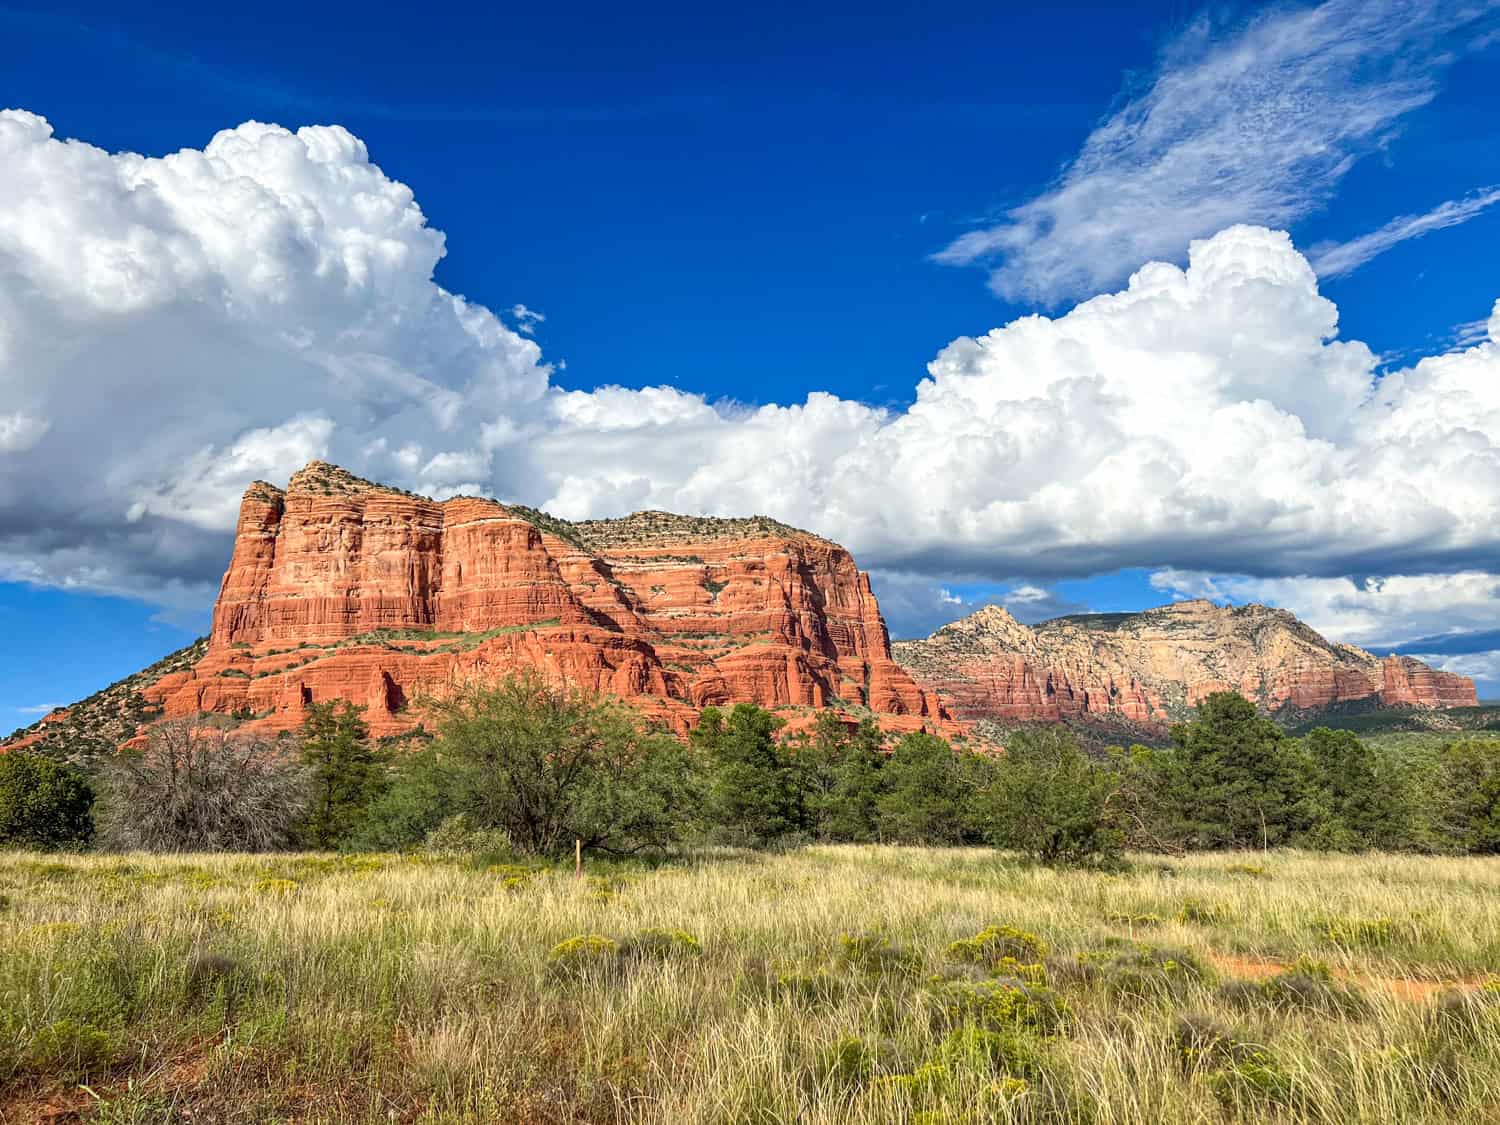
<point x="1411" y="989"/>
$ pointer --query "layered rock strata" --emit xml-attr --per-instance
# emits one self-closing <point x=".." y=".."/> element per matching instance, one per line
<point x="1154" y="667"/>
<point x="339" y="588"/>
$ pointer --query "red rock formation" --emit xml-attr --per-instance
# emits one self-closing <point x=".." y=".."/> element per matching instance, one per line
<point x="343" y="589"/>
<point x="1154" y="667"/>
<point x="1406" y="682"/>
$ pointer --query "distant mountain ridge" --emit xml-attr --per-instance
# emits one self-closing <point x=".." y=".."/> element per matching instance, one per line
<point x="1153" y="667"/>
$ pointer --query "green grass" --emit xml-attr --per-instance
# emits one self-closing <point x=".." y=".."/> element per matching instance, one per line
<point x="831" y="984"/>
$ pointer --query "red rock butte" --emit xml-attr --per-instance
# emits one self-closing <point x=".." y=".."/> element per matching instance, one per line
<point x="340" y="588"/>
<point x="1155" y="666"/>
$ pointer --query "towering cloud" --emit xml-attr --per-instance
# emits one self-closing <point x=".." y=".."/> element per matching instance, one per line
<point x="172" y="328"/>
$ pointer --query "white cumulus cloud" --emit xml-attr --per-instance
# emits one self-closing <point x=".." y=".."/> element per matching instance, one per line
<point x="185" y="324"/>
<point x="1208" y="414"/>
<point x="188" y="322"/>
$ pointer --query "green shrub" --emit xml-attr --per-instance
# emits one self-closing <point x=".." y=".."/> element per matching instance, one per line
<point x="1364" y="933"/>
<point x="1001" y="1005"/>
<point x="849" y="1062"/>
<point x="658" y="945"/>
<point x="818" y="988"/>
<point x="459" y="836"/>
<point x="1147" y="972"/>
<point x="1204" y="913"/>
<point x="993" y="943"/>
<point x="1070" y="971"/>
<point x="1254" y="1081"/>
<point x="1134" y="921"/>
<point x="984" y="1051"/>
<point x="44" y="804"/>
<point x="71" y="1049"/>
<point x="1200" y="1042"/>
<point x="581" y="955"/>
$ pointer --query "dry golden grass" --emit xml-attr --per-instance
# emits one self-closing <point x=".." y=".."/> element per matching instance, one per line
<point x="419" y="989"/>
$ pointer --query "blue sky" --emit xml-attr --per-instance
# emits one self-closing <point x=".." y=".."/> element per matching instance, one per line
<point x="749" y="206"/>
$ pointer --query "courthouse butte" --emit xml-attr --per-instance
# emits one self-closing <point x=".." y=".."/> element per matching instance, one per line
<point x="344" y="589"/>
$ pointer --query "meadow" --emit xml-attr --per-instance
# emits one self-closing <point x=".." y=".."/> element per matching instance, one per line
<point x="826" y="984"/>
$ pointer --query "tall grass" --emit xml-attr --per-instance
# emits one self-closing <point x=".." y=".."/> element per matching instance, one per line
<point x="425" y="989"/>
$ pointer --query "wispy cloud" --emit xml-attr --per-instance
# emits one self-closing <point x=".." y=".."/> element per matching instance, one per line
<point x="526" y="319"/>
<point x="1472" y="332"/>
<point x="38" y="709"/>
<point x="1257" y="124"/>
<point x="1336" y="259"/>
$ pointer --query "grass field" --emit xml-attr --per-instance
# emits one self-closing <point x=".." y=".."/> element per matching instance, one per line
<point x="817" y="986"/>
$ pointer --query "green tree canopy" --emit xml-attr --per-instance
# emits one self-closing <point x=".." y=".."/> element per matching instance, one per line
<point x="1236" y="780"/>
<point x="844" y="778"/>
<point x="1470" y="795"/>
<point x="1361" y="800"/>
<point x="927" y="792"/>
<point x="550" y="765"/>
<point x="345" y="774"/>
<point x="755" y="789"/>
<point x="1050" y="800"/>
<point x="44" y="804"/>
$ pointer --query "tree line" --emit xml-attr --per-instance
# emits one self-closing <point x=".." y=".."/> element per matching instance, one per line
<point x="530" y="768"/>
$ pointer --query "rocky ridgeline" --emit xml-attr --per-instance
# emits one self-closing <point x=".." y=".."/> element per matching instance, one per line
<point x="1154" y="667"/>
<point x="343" y="588"/>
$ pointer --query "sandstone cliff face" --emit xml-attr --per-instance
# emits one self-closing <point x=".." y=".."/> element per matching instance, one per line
<point x="1154" y="667"/>
<point x="340" y="588"/>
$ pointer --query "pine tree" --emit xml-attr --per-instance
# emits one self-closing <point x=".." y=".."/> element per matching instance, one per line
<point x="1236" y="780"/>
<point x="755" y="793"/>
<point x="345" y="774"/>
<point x="843" y="778"/>
<point x="1470" y="795"/>
<point x="1361" y="804"/>
<point x="927" y="793"/>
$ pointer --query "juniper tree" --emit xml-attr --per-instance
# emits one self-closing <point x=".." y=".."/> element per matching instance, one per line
<point x="1235" y="780"/>
<point x="345" y="773"/>
<point x="755" y="791"/>
<point x="44" y="804"/>
<point x="1050" y="800"/>
<point x="927" y="792"/>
